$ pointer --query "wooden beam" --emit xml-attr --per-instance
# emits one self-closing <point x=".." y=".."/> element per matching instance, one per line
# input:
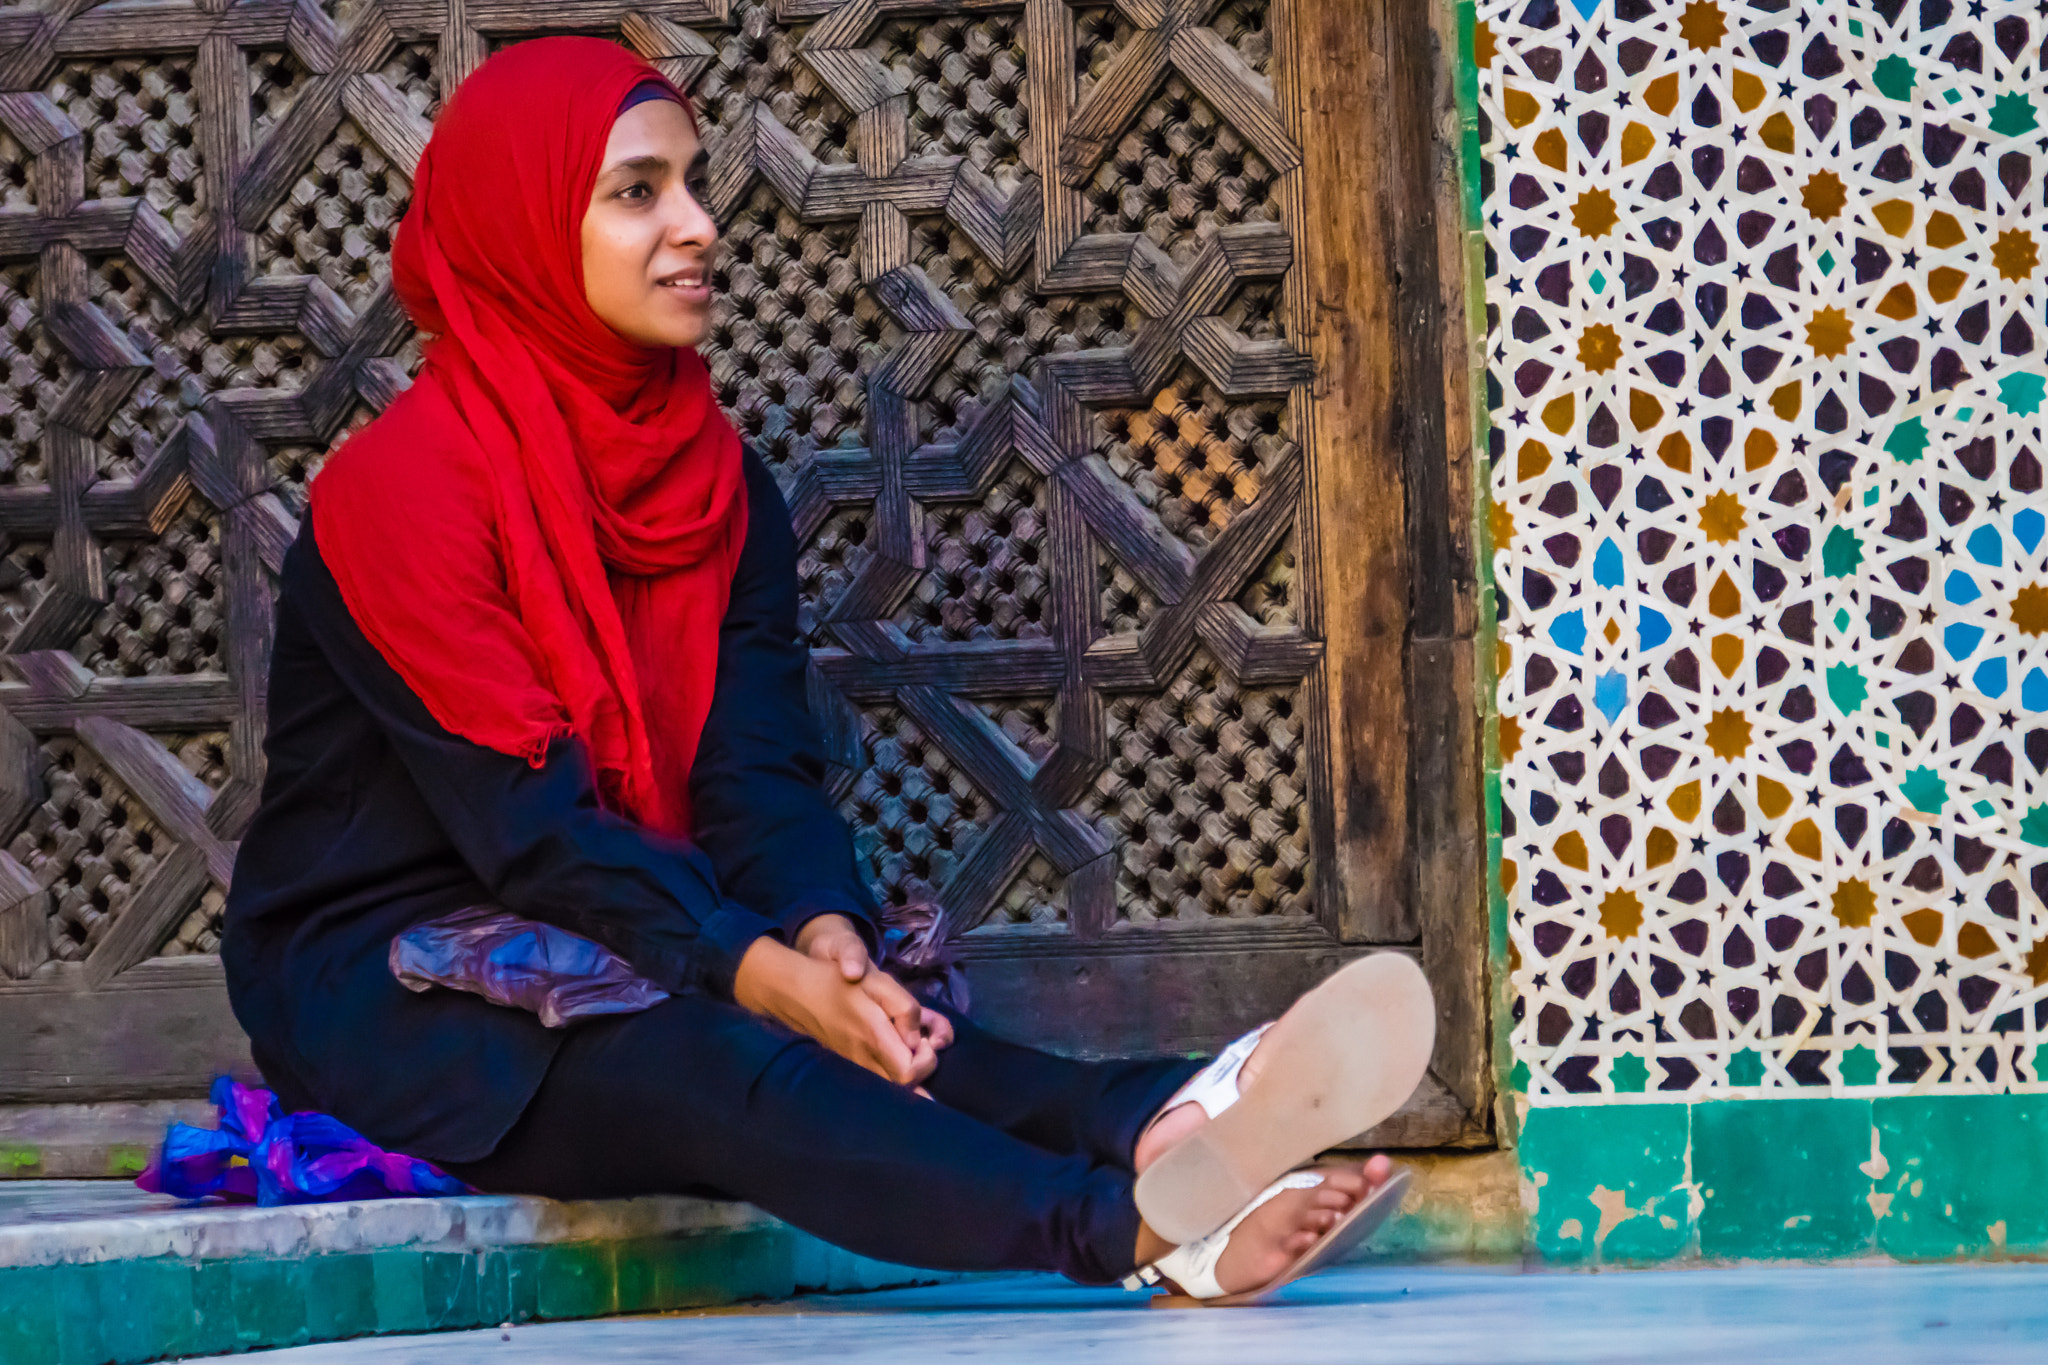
<point x="1334" y="77"/>
<point x="1391" y="587"/>
<point x="162" y="1030"/>
<point x="1447" y="668"/>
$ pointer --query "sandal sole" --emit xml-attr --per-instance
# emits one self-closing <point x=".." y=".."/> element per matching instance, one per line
<point x="1367" y="1216"/>
<point x="1341" y="1061"/>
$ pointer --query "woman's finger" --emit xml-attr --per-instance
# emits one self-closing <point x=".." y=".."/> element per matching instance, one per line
<point x="937" y="1027"/>
<point x="883" y="1041"/>
<point x="899" y="1004"/>
<point x="853" y="958"/>
<point x="923" y="1061"/>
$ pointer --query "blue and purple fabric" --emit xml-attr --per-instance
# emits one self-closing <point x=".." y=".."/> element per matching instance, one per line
<point x="259" y="1154"/>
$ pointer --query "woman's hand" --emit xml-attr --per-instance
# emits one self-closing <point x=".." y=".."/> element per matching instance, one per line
<point x="833" y="939"/>
<point x="817" y="1000"/>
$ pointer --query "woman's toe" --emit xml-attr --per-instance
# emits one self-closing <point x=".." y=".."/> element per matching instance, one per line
<point x="1352" y="1180"/>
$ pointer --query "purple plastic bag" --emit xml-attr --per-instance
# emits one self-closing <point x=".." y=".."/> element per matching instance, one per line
<point x="917" y="951"/>
<point x="560" y="976"/>
<point x="261" y="1155"/>
<point x="522" y="963"/>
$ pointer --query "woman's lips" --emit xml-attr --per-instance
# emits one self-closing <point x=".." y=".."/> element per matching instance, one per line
<point x="688" y="286"/>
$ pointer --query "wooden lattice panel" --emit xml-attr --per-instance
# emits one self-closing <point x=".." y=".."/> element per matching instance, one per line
<point x="1001" y="304"/>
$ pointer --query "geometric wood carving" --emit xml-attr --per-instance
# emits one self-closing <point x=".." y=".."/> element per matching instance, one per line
<point x="947" y="436"/>
<point x="1000" y="302"/>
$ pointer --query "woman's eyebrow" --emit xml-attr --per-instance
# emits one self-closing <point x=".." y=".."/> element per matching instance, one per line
<point x="639" y="165"/>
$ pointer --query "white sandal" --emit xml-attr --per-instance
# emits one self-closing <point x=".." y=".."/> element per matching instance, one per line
<point x="1188" y="1272"/>
<point x="1339" y="1062"/>
<point x="1214" y="1087"/>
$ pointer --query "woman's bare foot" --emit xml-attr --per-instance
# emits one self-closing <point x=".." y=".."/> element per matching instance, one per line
<point x="1283" y="1227"/>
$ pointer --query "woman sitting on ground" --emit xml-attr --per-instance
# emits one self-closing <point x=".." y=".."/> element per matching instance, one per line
<point x="537" y="648"/>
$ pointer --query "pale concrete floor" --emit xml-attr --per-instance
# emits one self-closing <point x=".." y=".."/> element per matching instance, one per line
<point x="1865" y="1315"/>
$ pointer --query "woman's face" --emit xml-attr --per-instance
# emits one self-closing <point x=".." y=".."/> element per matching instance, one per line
<point x="647" y="241"/>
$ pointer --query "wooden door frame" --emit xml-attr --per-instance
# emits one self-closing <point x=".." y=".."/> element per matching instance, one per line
<point x="1390" y="513"/>
<point x="1378" y="297"/>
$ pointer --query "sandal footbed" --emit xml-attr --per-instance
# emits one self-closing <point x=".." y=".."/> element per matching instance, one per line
<point x="1341" y="1061"/>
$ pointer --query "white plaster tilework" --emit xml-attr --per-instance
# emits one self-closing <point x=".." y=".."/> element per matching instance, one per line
<point x="1767" y="314"/>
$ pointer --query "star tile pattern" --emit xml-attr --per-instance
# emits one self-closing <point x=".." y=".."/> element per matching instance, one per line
<point x="1767" y="315"/>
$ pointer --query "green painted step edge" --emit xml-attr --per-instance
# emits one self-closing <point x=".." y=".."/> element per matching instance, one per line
<point x="129" y="1312"/>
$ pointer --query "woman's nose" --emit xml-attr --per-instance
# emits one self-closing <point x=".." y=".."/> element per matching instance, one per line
<point x="692" y="224"/>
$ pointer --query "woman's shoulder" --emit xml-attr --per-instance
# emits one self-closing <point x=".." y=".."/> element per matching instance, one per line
<point x="417" y="448"/>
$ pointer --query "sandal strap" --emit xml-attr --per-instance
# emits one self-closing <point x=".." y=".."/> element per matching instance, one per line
<point x="1214" y="1087"/>
<point x="1191" y="1267"/>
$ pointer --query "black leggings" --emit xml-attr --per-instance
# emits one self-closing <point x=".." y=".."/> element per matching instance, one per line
<point x="1020" y="1161"/>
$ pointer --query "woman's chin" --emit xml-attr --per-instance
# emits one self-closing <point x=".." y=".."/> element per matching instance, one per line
<point x="682" y="333"/>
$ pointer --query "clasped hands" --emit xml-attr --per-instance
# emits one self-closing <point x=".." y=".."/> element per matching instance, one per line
<point x="827" y="988"/>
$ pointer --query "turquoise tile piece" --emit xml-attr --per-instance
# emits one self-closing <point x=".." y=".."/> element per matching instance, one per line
<point x="448" y="1288"/>
<point x="522" y="1283"/>
<point x="28" y="1316"/>
<point x="76" y="1293"/>
<point x="397" y="1291"/>
<point x="1610" y="1182"/>
<point x="494" y="1288"/>
<point x="341" y="1297"/>
<point x="269" y="1302"/>
<point x="577" y="1280"/>
<point x="213" y="1308"/>
<point x="1963" y="1175"/>
<point x="1783" y="1178"/>
<point x="146" y="1311"/>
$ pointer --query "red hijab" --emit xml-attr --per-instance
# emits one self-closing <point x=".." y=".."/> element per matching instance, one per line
<point x="540" y="534"/>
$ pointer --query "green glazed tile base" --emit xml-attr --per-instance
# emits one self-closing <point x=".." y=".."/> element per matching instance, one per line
<point x="1938" y="1177"/>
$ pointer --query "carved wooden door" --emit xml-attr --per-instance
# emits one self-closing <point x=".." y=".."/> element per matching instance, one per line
<point x="1103" y="368"/>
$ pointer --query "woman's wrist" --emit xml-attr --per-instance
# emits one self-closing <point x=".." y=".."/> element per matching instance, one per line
<point x="760" y="983"/>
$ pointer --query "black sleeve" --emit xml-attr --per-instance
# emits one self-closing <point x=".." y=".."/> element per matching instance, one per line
<point x="536" y="837"/>
<point x="758" y="784"/>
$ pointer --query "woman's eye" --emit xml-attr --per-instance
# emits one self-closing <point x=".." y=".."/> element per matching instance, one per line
<point x="637" y="190"/>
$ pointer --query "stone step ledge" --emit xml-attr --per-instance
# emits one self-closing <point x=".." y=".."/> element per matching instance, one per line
<point x="132" y="1278"/>
<point x="467" y="1223"/>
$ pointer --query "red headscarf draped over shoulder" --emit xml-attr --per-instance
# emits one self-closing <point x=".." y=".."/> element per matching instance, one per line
<point x="540" y="535"/>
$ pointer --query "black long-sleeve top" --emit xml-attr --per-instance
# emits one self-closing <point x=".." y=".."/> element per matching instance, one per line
<point x="374" y="817"/>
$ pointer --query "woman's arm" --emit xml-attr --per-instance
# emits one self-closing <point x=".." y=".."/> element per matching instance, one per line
<point x="758" y="785"/>
<point x="537" y="837"/>
<point x="757" y="790"/>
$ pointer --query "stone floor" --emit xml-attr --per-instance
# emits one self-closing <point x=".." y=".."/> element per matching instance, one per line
<point x="73" y="1201"/>
<point x="1868" y="1314"/>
